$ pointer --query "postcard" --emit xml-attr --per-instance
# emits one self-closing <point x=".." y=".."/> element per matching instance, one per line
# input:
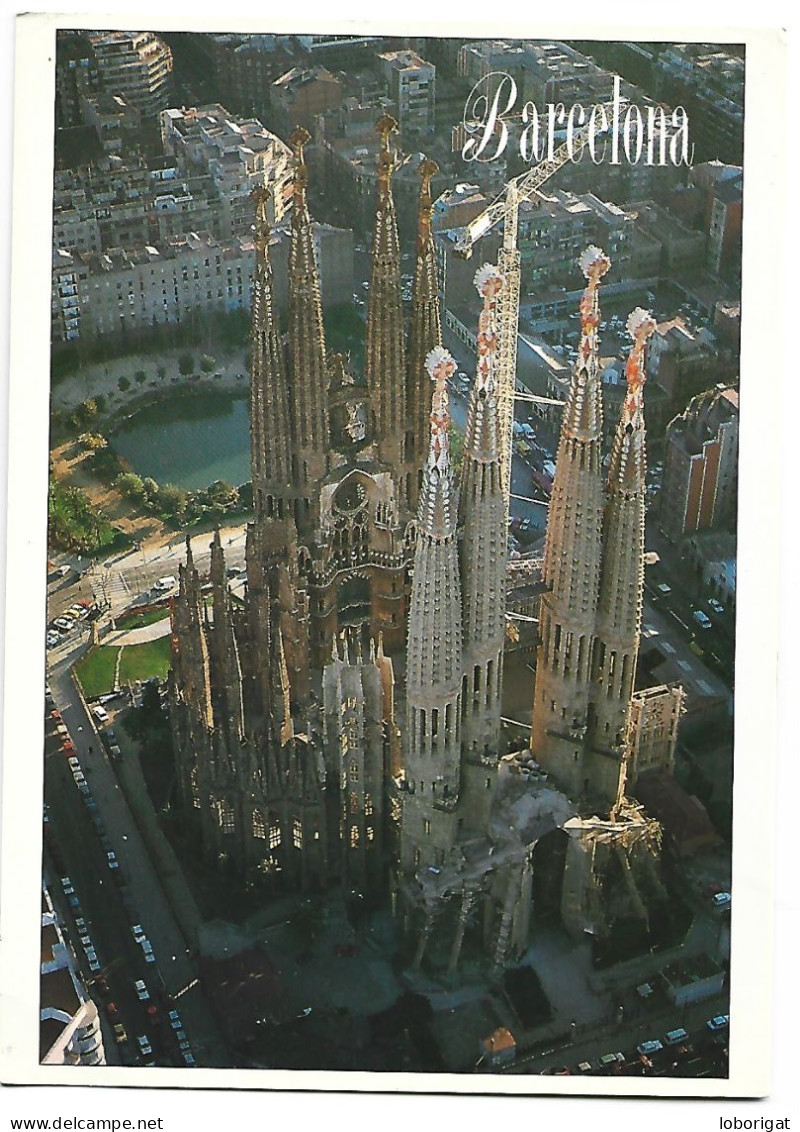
<point x="388" y="431"/>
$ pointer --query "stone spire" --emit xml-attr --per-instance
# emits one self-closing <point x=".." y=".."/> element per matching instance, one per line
<point x="434" y="657"/>
<point x="270" y="419"/>
<point x="425" y="334"/>
<point x="573" y="551"/>
<point x="306" y="336"/>
<point x="190" y="659"/>
<point x="385" y="346"/>
<point x="484" y="540"/>
<point x="622" y="576"/>
<point x="227" y="677"/>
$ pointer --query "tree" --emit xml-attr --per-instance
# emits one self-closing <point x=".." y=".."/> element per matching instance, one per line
<point x="172" y="499"/>
<point x="100" y="402"/>
<point x="222" y="494"/>
<point x="161" y="371"/>
<point x="130" y="485"/>
<point x="150" y="488"/>
<point x="92" y="441"/>
<point x="141" y="376"/>
<point x="207" y="363"/>
<point x="124" y="384"/>
<point x="89" y="408"/>
<point x="186" y="364"/>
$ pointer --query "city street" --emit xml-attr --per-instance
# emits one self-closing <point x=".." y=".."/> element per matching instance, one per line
<point x="139" y="898"/>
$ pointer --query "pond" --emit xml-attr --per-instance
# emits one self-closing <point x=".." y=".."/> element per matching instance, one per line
<point x="189" y="441"/>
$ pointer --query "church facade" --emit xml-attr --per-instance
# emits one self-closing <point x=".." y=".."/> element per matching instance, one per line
<point x="342" y="725"/>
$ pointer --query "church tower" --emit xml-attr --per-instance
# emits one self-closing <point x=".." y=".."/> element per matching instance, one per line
<point x="271" y="447"/>
<point x="483" y="562"/>
<point x="619" y="610"/>
<point x="307" y="359"/>
<point x="385" y="339"/>
<point x="434" y="657"/>
<point x="425" y="333"/>
<point x="562" y="707"/>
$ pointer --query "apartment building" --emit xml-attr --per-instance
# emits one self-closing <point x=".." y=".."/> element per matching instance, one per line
<point x="135" y="64"/>
<point x="239" y="155"/>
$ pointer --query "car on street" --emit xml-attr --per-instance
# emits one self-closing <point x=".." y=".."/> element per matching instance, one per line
<point x="142" y="993"/>
<point x="120" y="1034"/>
<point x="147" y="948"/>
<point x="702" y="619"/>
<point x="720" y="1022"/>
<point x="676" y="1037"/>
<point x="138" y="932"/>
<point x="174" y="1019"/>
<point x="648" y="1048"/>
<point x="111" y="1009"/>
<point x="717" y="606"/>
<point x="610" y="1060"/>
<point x="721" y="901"/>
<point x="189" y="1060"/>
<point x="144" y="1046"/>
<point x="66" y="884"/>
<point x="113" y="863"/>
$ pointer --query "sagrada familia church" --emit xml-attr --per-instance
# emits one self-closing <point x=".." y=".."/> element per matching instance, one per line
<point x="342" y="725"/>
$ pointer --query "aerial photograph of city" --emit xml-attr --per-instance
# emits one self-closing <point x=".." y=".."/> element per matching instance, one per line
<point x="392" y="545"/>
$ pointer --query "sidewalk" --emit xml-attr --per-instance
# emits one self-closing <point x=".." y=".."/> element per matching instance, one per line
<point x="151" y="632"/>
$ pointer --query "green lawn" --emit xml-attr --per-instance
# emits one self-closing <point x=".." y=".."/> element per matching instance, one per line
<point x="96" y="670"/>
<point x="138" y="619"/>
<point x="140" y="662"/>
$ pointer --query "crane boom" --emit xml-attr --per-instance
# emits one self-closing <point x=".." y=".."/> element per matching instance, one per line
<point x="523" y="186"/>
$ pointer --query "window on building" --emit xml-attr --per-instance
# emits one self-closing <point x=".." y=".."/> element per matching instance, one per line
<point x="297" y="833"/>
<point x="368" y="804"/>
<point x="274" y="833"/>
<point x="426" y="825"/>
<point x="259" y="828"/>
<point x="353" y="836"/>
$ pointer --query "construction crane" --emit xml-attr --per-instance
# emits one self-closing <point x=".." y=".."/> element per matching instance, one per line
<point x="506" y="208"/>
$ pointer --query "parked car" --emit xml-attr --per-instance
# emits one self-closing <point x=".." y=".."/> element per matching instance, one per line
<point x="144" y="1046"/>
<point x="721" y="901"/>
<point x="702" y="619"/>
<point x="647" y="1049"/>
<point x="147" y="948"/>
<point x="113" y="863"/>
<point x="138" y="932"/>
<point x="676" y="1037"/>
<point x="142" y="993"/>
<point x="120" y="1034"/>
<point x="721" y="1022"/>
<point x="100" y="713"/>
<point x="717" y="606"/>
